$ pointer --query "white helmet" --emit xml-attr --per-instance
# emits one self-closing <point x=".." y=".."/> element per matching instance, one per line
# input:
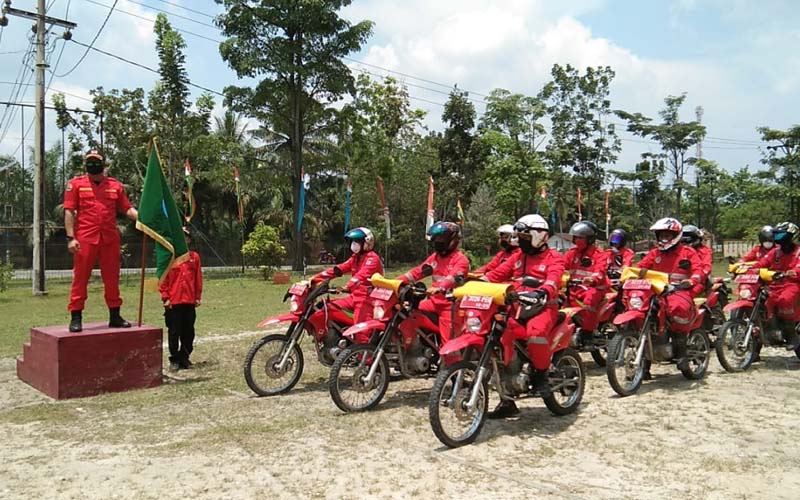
<point x="505" y="229"/>
<point x="667" y="224"/>
<point x="535" y="226"/>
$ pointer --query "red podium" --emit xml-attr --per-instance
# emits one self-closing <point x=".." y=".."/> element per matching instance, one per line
<point x="99" y="359"/>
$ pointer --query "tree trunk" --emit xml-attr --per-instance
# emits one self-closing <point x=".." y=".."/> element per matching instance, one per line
<point x="297" y="182"/>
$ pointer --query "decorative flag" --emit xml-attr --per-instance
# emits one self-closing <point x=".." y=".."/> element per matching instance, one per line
<point x="347" y="192"/>
<point x="543" y="196"/>
<point x="460" y="213"/>
<point x="385" y="207"/>
<point x="608" y="214"/>
<point x="304" y="185"/>
<point x="189" y="194"/>
<point x="159" y="217"/>
<point x="239" y="205"/>
<point x="429" y="213"/>
<point x="552" y="212"/>
<point x="580" y="216"/>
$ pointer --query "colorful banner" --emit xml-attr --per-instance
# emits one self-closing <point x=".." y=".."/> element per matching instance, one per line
<point x="429" y="213"/>
<point x="385" y="208"/>
<point x="608" y="214"/>
<point x="347" y="192"/>
<point x="304" y="185"/>
<point x="459" y="213"/>
<point x="580" y="215"/>
<point x="189" y="192"/>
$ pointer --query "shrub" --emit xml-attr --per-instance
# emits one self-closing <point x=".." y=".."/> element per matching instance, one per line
<point x="263" y="248"/>
<point x="6" y="272"/>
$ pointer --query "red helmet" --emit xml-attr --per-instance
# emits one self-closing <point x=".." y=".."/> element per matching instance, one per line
<point x="668" y="232"/>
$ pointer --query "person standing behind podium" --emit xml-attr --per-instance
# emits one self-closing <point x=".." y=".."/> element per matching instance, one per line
<point x="91" y="203"/>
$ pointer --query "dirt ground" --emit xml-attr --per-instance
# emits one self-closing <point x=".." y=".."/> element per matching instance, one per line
<point x="202" y="435"/>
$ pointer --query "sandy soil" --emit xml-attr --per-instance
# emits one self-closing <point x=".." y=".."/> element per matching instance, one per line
<point x="728" y="436"/>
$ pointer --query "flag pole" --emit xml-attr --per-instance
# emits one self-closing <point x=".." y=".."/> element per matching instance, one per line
<point x="141" y="282"/>
<point x="241" y="226"/>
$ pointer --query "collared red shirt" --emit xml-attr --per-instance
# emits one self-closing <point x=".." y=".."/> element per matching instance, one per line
<point x="97" y="205"/>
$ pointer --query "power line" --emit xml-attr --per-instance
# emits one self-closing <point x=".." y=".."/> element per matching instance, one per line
<point x="76" y="96"/>
<point x="186" y="8"/>
<point x="172" y="14"/>
<point x="96" y="36"/>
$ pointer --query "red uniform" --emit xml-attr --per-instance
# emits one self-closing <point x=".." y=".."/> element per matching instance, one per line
<point x="706" y="259"/>
<point x="183" y="284"/>
<point x="97" y="205"/>
<point x="785" y="293"/>
<point x="547" y="266"/>
<point x="680" y="304"/>
<point x="500" y="257"/>
<point x="362" y="266"/>
<point x="626" y="255"/>
<point x="756" y="253"/>
<point x="587" y="264"/>
<point x="445" y="270"/>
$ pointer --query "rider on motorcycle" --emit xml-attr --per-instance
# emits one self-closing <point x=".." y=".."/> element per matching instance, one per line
<point x="766" y="241"/>
<point x="362" y="264"/>
<point x="785" y="294"/>
<point x="693" y="236"/>
<point x="587" y="263"/>
<point x="685" y="271"/>
<point x="446" y="263"/>
<point x="618" y="255"/>
<point x="535" y="259"/>
<point x="508" y="246"/>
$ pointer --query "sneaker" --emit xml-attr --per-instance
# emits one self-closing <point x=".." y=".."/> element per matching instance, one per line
<point x="505" y="409"/>
<point x="173" y="366"/>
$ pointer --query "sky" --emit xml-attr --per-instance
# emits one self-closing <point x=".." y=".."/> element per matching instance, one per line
<point x="737" y="59"/>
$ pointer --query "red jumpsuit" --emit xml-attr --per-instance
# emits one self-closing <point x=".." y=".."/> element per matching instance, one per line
<point x="680" y="304"/>
<point x="97" y="205"/>
<point x="756" y="253"/>
<point x="706" y="259"/>
<point x="785" y="293"/>
<point x="445" y="270"/>
<point x="589" y="263"/>
<point x="547" y="266"/>
<point x="362" y="266"/>
<point x="500" y="257"/>
<point x="611" y="262"/>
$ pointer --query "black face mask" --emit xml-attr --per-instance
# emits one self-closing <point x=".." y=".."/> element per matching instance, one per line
<point x="441" y="247"/>
<point x="94" y="168"/>
<point x="787" y="246"/>
<point x="505" y="244"/>
<point x="527" y="247"/>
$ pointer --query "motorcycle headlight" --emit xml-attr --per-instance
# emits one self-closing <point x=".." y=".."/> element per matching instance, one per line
<point x="378" y="312"/>
<point x="636" y="303"/>
<point x="474" y="324"/>
<point x="745" y="293"/>
<point x="293" y="305"/>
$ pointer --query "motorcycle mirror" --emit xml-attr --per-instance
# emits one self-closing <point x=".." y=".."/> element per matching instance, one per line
<point x="586" y="262"/>
<point x="684" y="264"/>
<point x="427" y="270"/>
<point x="459" y="279"/>
<point x="337" y="272"/>
<point x="531" y="282"/>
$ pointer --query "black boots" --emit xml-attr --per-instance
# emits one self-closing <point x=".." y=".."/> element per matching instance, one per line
<point x="507" y="408"/>
<point x="790" y="334"/>
<point x="115" y="320"/>
<point x="76" y="323"/>
<point x="679" y="346"/>
<point x="540" y="383"/>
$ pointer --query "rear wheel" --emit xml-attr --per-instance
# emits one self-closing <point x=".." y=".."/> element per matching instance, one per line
<point x="262" y="365"/>
<point x="567" y="380"/>
<point x="453" y="422"/>
<point x="698" y="350"/>
<point x="624" y="375"/>
<point x="732" y="352"/>
<point x="605" y="331"/>
<point x="348" y="384"/>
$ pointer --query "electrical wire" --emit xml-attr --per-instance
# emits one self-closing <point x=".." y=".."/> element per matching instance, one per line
<point x="96" y="36"/>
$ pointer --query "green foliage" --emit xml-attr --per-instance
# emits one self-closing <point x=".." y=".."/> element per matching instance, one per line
<point x="263" y="248"/>
<point x="483" y="219"/>
<point x="6" y="272"/>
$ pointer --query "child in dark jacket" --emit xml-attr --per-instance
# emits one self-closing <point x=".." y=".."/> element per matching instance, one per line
<point x="181" y="291"/>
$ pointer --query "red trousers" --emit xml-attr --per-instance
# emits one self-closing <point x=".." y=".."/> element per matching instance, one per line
<point x="538" y="332"/>
<point x="84" y="262"/>
<point x="588" y="299"/>
<point x="444" y="310"/>
<point x="783" y="300"/>
<point x="362" y="311"/>
<point x="680" y="311"/>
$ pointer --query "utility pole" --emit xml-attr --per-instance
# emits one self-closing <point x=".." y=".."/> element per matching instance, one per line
<point x="38" y="179"/>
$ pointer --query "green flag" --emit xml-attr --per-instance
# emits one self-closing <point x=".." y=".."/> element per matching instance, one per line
<point x="159" y="217"/>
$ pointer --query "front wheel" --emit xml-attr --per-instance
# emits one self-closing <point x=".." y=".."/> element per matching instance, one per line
<point x="698" y="349"/>
<point x="452" y="420"/>
<point x="269" y="370"/>
<point x="348" y="384"/>
<point x="606" y="332"/>
<point x="624" y="375"/>
<point x="733" y="353"/>
<point x="567" y="380"/>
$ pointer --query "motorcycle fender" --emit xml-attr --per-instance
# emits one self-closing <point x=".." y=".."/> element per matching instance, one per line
<point x="606" y="311"/>
<point x="628" y="316"/>
<point x="712" y="301"/>
<point x="739" y="304"/>
<point x="562" y="336"/>
<point x="364" y="326"/>
<point x="462" y="342"/>
<point x="280" y="318"/>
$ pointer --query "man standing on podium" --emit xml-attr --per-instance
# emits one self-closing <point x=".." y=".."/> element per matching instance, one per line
<point x="91" y="203"/>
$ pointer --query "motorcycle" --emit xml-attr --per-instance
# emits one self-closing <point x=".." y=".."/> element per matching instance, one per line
<point x="642" y="334"/>
<point x="325" y="257"/>
<point x="402" y="338"/>
<point x="752" y="324"/>
<point x="274" y="363"/>
<point x="460" y="396"/>
<point x="714" y="303"/>
<point x="597" y="345"/>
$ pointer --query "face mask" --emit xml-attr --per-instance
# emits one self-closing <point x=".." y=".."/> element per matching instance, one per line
<point x="768" y="244"/>
<point x="526" y="246"/>
<point x="615" y="249"/>
<point x="94" y="168"/>
<point x="581" y="244"/>
<point x="355" y="247"/>
<point x="441" y="247"/>
<point x="505" y="244"/>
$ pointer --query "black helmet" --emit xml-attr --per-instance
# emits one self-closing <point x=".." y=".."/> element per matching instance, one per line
<point x="445" y="236"/>
<point x="618" y="238"/>
<point x="765" y="234"/>
<point x="785" y="233"/>
<point x="584" y="229"/>
<point x="691" y="235"/>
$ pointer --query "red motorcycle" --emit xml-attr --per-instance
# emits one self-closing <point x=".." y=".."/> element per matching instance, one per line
<point x="274" y="363"/>
<point x="597" y="345"/>
<point x="642" y="334"/>
<point x="460" y="397"/>
<point x="401" y="337"/>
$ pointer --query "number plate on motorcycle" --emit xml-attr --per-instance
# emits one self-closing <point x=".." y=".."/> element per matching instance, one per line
<point x="297" y="289"/>
<point x="381" y="293"/>
<point x="476" y="302"/>
<point x="637" y="285"/>
<point x="747" y="279"/>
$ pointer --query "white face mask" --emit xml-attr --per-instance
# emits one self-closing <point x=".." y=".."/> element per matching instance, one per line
<point x="767" y="244"/>
<point x="355" y="247"/>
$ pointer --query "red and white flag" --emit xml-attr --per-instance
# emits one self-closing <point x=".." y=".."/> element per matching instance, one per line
<point x="429" y="213"/>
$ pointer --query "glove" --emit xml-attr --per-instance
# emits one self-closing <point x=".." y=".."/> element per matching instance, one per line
<point x="685" y="285"/>
<point x="533" y="297"/>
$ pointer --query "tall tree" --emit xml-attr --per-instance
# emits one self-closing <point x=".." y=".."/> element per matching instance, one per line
<point x="460" y="165"/>
<point x="783" y="159"/>
<point x="296" y="49"/>
<point x="674" y="136"/>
